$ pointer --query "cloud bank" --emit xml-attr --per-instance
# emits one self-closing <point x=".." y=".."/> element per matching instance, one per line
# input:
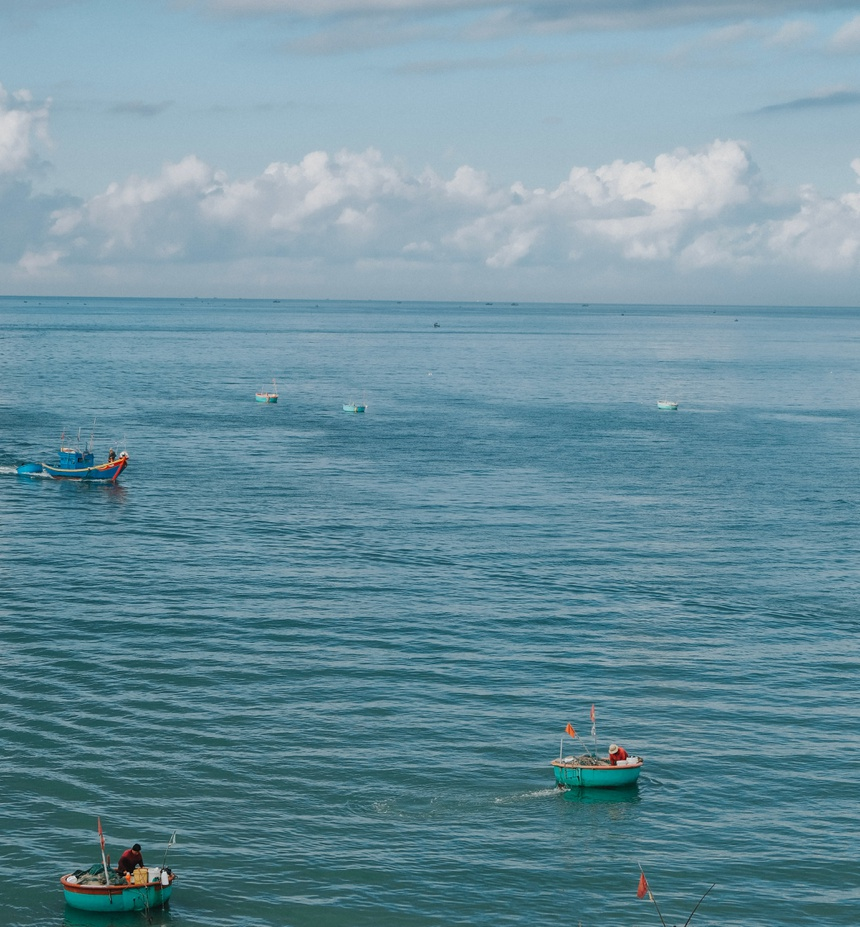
<point x="334" y="26"/>
<point x="581" y="11"/>
<point x="349" y="214"/>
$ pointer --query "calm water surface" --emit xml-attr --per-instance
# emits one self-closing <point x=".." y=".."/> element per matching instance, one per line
<point x="337" y="652"/>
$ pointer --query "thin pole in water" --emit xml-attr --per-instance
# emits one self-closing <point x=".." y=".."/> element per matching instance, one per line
<point x="102" y="840"/>
<point x="697" y="907"/>
<point x="170" y="843"/>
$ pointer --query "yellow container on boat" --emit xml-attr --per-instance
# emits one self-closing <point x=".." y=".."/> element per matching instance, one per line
<point x="140" y="877"/>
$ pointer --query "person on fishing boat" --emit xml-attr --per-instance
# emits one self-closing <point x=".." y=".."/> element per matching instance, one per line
<point x="616" y="753"/>
<point x="130" y="860"/>
<point x="111" y="455"/>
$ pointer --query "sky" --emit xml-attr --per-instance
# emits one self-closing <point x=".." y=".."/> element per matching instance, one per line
<point x="600" y="151"/>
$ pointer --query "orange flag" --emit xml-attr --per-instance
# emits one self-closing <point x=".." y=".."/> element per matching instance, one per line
<point x="592" y="714"/>
<point x="101" y="835"/>
<point x="569" y="730"/>
<point x="642" y="891"/>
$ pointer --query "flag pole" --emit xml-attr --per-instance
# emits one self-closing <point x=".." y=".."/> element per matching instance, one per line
<point x="593" y="732"/>
<point x="102" y="841"/>
<point x="170" y="843"/>
<point x="572" y="733"/>
<point x="651" y="896"/>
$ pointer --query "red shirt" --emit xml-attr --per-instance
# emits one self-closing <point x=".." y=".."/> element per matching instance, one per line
<point x="128" y="861"/>
<point x="615" y="757"/>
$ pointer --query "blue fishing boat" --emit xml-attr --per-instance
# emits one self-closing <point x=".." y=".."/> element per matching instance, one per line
<point x="86" y="890"/>
<point x="594" y="772"/>
<point x="667" y="405"/>
<point x="77" y="464"/>
<point x="354" y="407"/>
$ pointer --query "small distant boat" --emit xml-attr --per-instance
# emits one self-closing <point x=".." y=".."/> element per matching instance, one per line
<point x="355" y="407"/>
<point x="77" y="464"/>
<point x="589" y="771"/>
<point x="667" y="405"/>
<point x="272" y="396"/>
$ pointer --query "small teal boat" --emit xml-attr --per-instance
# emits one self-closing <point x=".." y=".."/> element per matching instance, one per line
<point x="103" y="889"/>
<point x="667" y="405"/>
<point x="354" y="407"/>
<point x="264" y="396"/>
<point x="87" y="892"/>
<point x="593" y="772"/>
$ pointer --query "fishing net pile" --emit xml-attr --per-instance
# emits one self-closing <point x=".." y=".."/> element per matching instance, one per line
<point x="95" y="875"/>
<point x="587" y="759"/>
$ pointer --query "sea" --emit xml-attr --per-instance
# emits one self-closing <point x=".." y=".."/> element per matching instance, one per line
<point x="336" y="653"/>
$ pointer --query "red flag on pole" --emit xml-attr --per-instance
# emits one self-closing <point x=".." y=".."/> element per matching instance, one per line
<point x="642" y="891"/>
<point x="101" y="835"/>
<point x="569" y="730"/>
<point x="592" y="714"/>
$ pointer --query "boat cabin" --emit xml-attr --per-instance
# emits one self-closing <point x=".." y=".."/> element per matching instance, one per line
<point x="71" y="459"/>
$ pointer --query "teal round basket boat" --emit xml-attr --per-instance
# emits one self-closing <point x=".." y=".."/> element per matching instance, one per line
<point x="574" y="772"/>
<point x="91" y="895"/>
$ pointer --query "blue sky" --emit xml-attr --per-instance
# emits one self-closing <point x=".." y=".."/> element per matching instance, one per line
<point x="563" y="150"/>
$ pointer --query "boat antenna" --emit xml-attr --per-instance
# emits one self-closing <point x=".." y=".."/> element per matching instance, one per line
<point x="593" y="732"/>
<point x="170" y="843"/>
<point x="697" y="907"/>
<point x="92" y="438"/>
<point x="102" y="841"/>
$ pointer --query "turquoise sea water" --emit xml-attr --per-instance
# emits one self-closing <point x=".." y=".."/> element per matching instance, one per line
<point x="337" y="652"/>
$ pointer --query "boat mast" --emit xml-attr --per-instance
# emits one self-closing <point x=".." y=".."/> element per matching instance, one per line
<point x="104" y="861"/>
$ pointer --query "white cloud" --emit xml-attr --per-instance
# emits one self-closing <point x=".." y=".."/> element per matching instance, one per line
<point x="21" y="124"/>
<point x="339" y="25"/>
<point x="847" y="38"/>
<point x="690" y="208"/>
<point x="688" y="212"/>
<point x="143" y="216"/>
<point x="33" y="263"/>
<point x="657" y="10"/>
<point x="792" y="33"/>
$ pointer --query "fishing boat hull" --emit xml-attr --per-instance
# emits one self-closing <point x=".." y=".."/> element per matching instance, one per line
<point x="352" y="407"/>
<point x="666" y="405"/>
<point x="266" y="397"/>
<point x="572" y="775"/>
<point x="113" y="898"/>
<point x="106" y="472"/>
